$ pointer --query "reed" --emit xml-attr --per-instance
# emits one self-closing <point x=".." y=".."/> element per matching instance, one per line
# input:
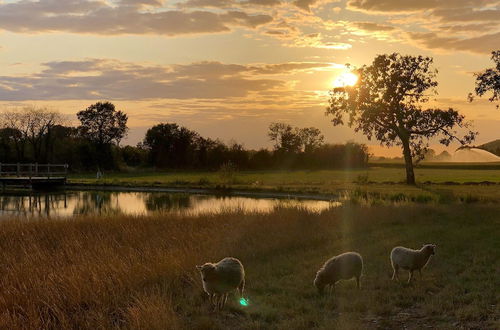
<point x="128" y="272"/>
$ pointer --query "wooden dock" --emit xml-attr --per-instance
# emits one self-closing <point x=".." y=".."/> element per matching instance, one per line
<point x="33" y="176"/>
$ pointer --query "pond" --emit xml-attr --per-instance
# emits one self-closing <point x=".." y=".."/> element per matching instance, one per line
<point x="71" y="203"/>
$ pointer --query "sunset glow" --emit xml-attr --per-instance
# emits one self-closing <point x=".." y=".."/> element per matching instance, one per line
<point x="345" y="79"/>
<point x="228" y="68"/>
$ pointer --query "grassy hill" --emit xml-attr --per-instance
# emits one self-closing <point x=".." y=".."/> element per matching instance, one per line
<point x="493" y="147"/>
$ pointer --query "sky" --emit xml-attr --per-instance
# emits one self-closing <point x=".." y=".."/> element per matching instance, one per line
<point x="228" y="68"/>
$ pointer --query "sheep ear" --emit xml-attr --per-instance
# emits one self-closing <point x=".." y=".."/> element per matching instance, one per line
<point x="198" y="267"/>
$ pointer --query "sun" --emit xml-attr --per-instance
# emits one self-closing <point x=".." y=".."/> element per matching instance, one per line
<point x="345" y="79"/>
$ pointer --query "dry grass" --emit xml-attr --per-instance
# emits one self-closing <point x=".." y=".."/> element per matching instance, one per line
<point x="138" y="272"/>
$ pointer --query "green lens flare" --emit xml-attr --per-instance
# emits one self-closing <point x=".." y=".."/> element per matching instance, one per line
<point x="243" y="302"/>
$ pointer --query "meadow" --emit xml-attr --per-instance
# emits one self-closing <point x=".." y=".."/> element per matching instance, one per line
<point x="385" y="173"/>
<point x="139" y="272"/>
<point x="435" y="182"/>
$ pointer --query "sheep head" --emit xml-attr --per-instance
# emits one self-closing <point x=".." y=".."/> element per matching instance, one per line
<point x="319" y="283"/>
<point x="430" y="249"/>
<point x="207" y="271"/>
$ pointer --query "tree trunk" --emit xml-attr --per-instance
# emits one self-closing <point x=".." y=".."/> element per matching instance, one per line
<point x="410" y="175"/>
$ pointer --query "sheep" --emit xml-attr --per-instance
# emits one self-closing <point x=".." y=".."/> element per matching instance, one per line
<point x="410" y="260"/>
<point x="221" y="278"/>
<point x="342" y="267"/>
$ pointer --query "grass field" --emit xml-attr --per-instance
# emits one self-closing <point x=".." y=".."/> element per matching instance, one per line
<point x="438" y="174"/>
<point x="449" y="182"/>
<point x="139" y="272"/>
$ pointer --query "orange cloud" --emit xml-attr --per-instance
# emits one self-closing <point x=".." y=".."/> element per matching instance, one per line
<point x="127" y="17"/>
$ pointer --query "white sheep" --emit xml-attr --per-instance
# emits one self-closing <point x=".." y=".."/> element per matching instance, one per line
<point x="342" y="267"/>
<point x="410" y="260"/>
<point x="221" y="278"/>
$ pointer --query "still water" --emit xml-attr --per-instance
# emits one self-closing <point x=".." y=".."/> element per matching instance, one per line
<point x="68" y="204"/>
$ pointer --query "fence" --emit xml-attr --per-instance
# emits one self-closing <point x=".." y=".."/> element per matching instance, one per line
<point x="33" y="170"/>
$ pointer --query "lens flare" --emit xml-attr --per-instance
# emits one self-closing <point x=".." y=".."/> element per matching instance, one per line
<point x="243" y="302"/>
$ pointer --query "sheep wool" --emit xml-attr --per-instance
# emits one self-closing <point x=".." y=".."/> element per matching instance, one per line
<point x="342" y="267"/>
<point x="411" y="260"/>
<point x="221" y="278"/>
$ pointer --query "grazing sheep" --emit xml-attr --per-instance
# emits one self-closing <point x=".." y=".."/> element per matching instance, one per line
<point x="342" y="267"/>
<point x="410" y="260"/>
<point x="221" y="278"/>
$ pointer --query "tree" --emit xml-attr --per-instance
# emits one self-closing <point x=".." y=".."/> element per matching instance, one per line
<point x="17" y="130"/>
<point x="40" y="124"/>
<point x="102" y="124"/>
<point x="285" y="137"/>
<point x="170" y="145"/>
<point x="8" y="136"/>
<point x="387" y="104"/>
<point x="311" y="138"/>
<point x="31" y="126"/>
<point x="489" y="80"/>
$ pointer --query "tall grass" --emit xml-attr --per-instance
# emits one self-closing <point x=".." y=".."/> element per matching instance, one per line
<point x="138" y="272"/>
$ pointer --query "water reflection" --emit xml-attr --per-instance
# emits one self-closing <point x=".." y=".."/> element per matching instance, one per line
<point x="67" y="204"/>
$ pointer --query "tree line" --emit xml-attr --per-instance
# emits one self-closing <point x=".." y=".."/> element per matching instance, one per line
<point x="40" y="135"/>
<point x="388" y="104"/>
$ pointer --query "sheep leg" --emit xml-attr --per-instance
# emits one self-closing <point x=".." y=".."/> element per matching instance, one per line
<point x="224" y="301"/>
<point x="420" y="272"/>
<point x="221" y="301"/>
<point x="410" y="276"/>
<point x="213" y="301"/>
<point x="218" y="302"/>
<point x="395" y="274"/>
<point x="241" y="288"/>
<point x="357" y="282"/>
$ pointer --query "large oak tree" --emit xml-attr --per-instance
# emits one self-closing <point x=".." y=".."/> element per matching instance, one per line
<point x="387" y="103"/>
<point x="489" y="80"/>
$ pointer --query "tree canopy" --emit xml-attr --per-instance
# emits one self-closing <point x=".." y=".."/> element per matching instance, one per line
<point x="103" y="124"/>
<point x="489" y="80"/>
<point x="387" y="103"/>
<point x="290" y="139"/>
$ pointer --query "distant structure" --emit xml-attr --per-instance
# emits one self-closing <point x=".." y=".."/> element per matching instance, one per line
<point x="473" y="155"/>
<point x="33" y="176"/>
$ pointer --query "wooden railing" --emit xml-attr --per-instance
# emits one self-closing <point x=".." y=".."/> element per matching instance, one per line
<point x="34" y="170"/>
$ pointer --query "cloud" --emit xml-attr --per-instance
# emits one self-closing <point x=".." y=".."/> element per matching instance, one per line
<point x="466" y="14"/>
<point x="469" y="27"/>
<point x="226" y="3"/>
<point x="459" y="25"/>
<point x="375" y="27"/>
<point x="287" y="68"/>
<point x="305" y="4"/>
<point x="398" y="6"/>
<point x="482" y="44"/>
<point x="116" y="80"/>
<point x="125" y="17"/>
